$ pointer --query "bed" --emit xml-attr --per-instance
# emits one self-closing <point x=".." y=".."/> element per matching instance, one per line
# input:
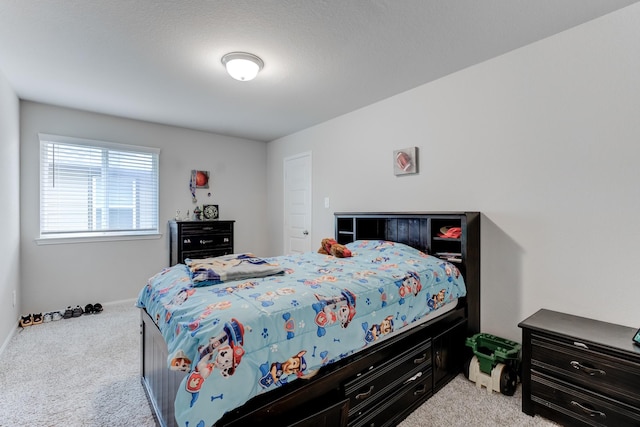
<point x="312" y="339"/>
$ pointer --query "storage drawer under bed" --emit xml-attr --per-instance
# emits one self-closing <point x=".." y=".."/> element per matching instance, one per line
<point x="414" y="365"/>
<point x="397" y="405"/>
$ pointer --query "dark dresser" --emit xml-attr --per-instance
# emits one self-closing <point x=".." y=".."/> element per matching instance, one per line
<point x="580" y="371"/>
<point x="199" y="239"/>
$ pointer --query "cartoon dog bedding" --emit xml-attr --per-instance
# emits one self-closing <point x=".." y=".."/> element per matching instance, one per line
<point x="237" y="339"/>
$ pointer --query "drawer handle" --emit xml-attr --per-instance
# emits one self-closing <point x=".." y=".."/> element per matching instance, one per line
<point x="413" y="378"/>
<point x="421" y="390"/>
<point x="364" y="395"/>
<point x="205" y="242"/>
<point x="207" y="228"/>
<point x="438" y="360"/>
<point x="186" y="241"/>
<point x="581" y="345"/>
<point x="420" y="360"/>
<point x="588" y="411"/>
<point x="588" y="370"/>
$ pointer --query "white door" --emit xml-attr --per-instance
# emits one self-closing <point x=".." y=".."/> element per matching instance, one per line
<point x="297" y="203"/>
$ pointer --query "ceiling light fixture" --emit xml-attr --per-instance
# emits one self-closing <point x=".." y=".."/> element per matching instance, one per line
<point x="242" y="66"/>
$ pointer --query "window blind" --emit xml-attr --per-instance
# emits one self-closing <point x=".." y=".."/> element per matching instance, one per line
<point x="96" y="188"/>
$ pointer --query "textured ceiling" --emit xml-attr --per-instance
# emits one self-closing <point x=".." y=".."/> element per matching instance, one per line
<point x="159" y="60"/>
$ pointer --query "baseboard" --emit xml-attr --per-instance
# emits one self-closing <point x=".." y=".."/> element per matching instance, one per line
<point x="122" y="301"/>
<point x="8" y="339"/>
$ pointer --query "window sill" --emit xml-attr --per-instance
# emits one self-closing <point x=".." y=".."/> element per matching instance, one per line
<point x="92" y="239"/>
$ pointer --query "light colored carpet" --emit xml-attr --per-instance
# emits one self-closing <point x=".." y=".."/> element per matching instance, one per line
<point x="82" y="371"/>
<point x="461" y="404"/>
<point x="85" y="371"/>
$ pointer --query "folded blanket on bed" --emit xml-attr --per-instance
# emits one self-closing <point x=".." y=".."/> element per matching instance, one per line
<point x="211" y="271"/>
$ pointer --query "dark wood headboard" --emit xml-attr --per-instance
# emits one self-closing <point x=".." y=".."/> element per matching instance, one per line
<point x="421" y="230"/>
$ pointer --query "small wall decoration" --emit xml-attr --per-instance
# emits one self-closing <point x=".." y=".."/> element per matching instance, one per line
<point x="199" y="179"/>
<point x="405" y="161"/>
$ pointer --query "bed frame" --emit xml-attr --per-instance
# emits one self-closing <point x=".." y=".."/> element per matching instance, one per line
<point x="380" y="385"/>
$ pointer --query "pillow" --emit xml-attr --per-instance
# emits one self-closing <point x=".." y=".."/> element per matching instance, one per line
<point x="227" y="268"/>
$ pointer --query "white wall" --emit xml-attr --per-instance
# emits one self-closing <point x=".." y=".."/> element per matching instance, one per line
<point x="544" y="141"/>
<point x="9" y="212"/>
<point x="55" y="276"/>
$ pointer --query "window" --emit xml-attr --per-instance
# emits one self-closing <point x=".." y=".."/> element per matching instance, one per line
<point x="92" y="189"/>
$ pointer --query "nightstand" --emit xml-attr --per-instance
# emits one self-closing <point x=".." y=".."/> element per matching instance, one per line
<point x="580" y="371"/>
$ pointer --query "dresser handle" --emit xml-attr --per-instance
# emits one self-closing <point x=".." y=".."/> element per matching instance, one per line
<point x="364" y="395"/>
<point x="588" y="370"/>
<point x="420" y="360"/>
<point x="438" y="360"/>
<point x="421" y="390"/>
<point x="581" y="345"/>
<point x="590" y="412"/>
<point x="413" y="378"/>
<point x="205" y="242"/>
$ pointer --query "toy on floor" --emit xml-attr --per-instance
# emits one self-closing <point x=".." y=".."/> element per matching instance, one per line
<point x="332" y="247"/>
<point x="495" y="363"/>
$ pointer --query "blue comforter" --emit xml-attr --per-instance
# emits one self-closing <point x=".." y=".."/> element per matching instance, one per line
<point x="242" y="338"/>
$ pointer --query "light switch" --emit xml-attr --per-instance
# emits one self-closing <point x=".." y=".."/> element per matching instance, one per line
<point x="326" y="202"/>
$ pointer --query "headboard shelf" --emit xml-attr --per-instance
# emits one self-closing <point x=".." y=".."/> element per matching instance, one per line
<point x="423" y="230"/>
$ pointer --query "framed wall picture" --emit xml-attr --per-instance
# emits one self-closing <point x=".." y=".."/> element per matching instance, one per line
<point x="200" y="178"/>
<point x="405" y="161"/>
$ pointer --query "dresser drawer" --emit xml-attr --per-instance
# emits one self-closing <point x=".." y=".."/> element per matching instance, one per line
<point x="205" y="241"/>
<point x="206" y="227"/>
<point x="205" y="254"/>
<point x="580" y="406"/>
<point x="587" y="367"/>
<point x="411" y="366"/>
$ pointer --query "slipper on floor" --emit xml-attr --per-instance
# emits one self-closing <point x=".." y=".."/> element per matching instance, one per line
<point x="26" y="321"/>
<point x="37" y="318"/>
<point x="68" y="313"/>
<point x="97" y="308"/>
<point x="77" y="312"/>
<point x="88" y="309"/>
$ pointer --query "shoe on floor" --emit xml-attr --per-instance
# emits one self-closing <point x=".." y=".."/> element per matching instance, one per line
<point x="56" y="315"/>
<point x="48" y="317"/>
<point x="97" y="308"/>
<point x="68" y="313"/>
<point x="26" y="321"/>
<point x="88" y="309"/>
<point x="37" y="319"/>
<point x="77" y="312"/>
